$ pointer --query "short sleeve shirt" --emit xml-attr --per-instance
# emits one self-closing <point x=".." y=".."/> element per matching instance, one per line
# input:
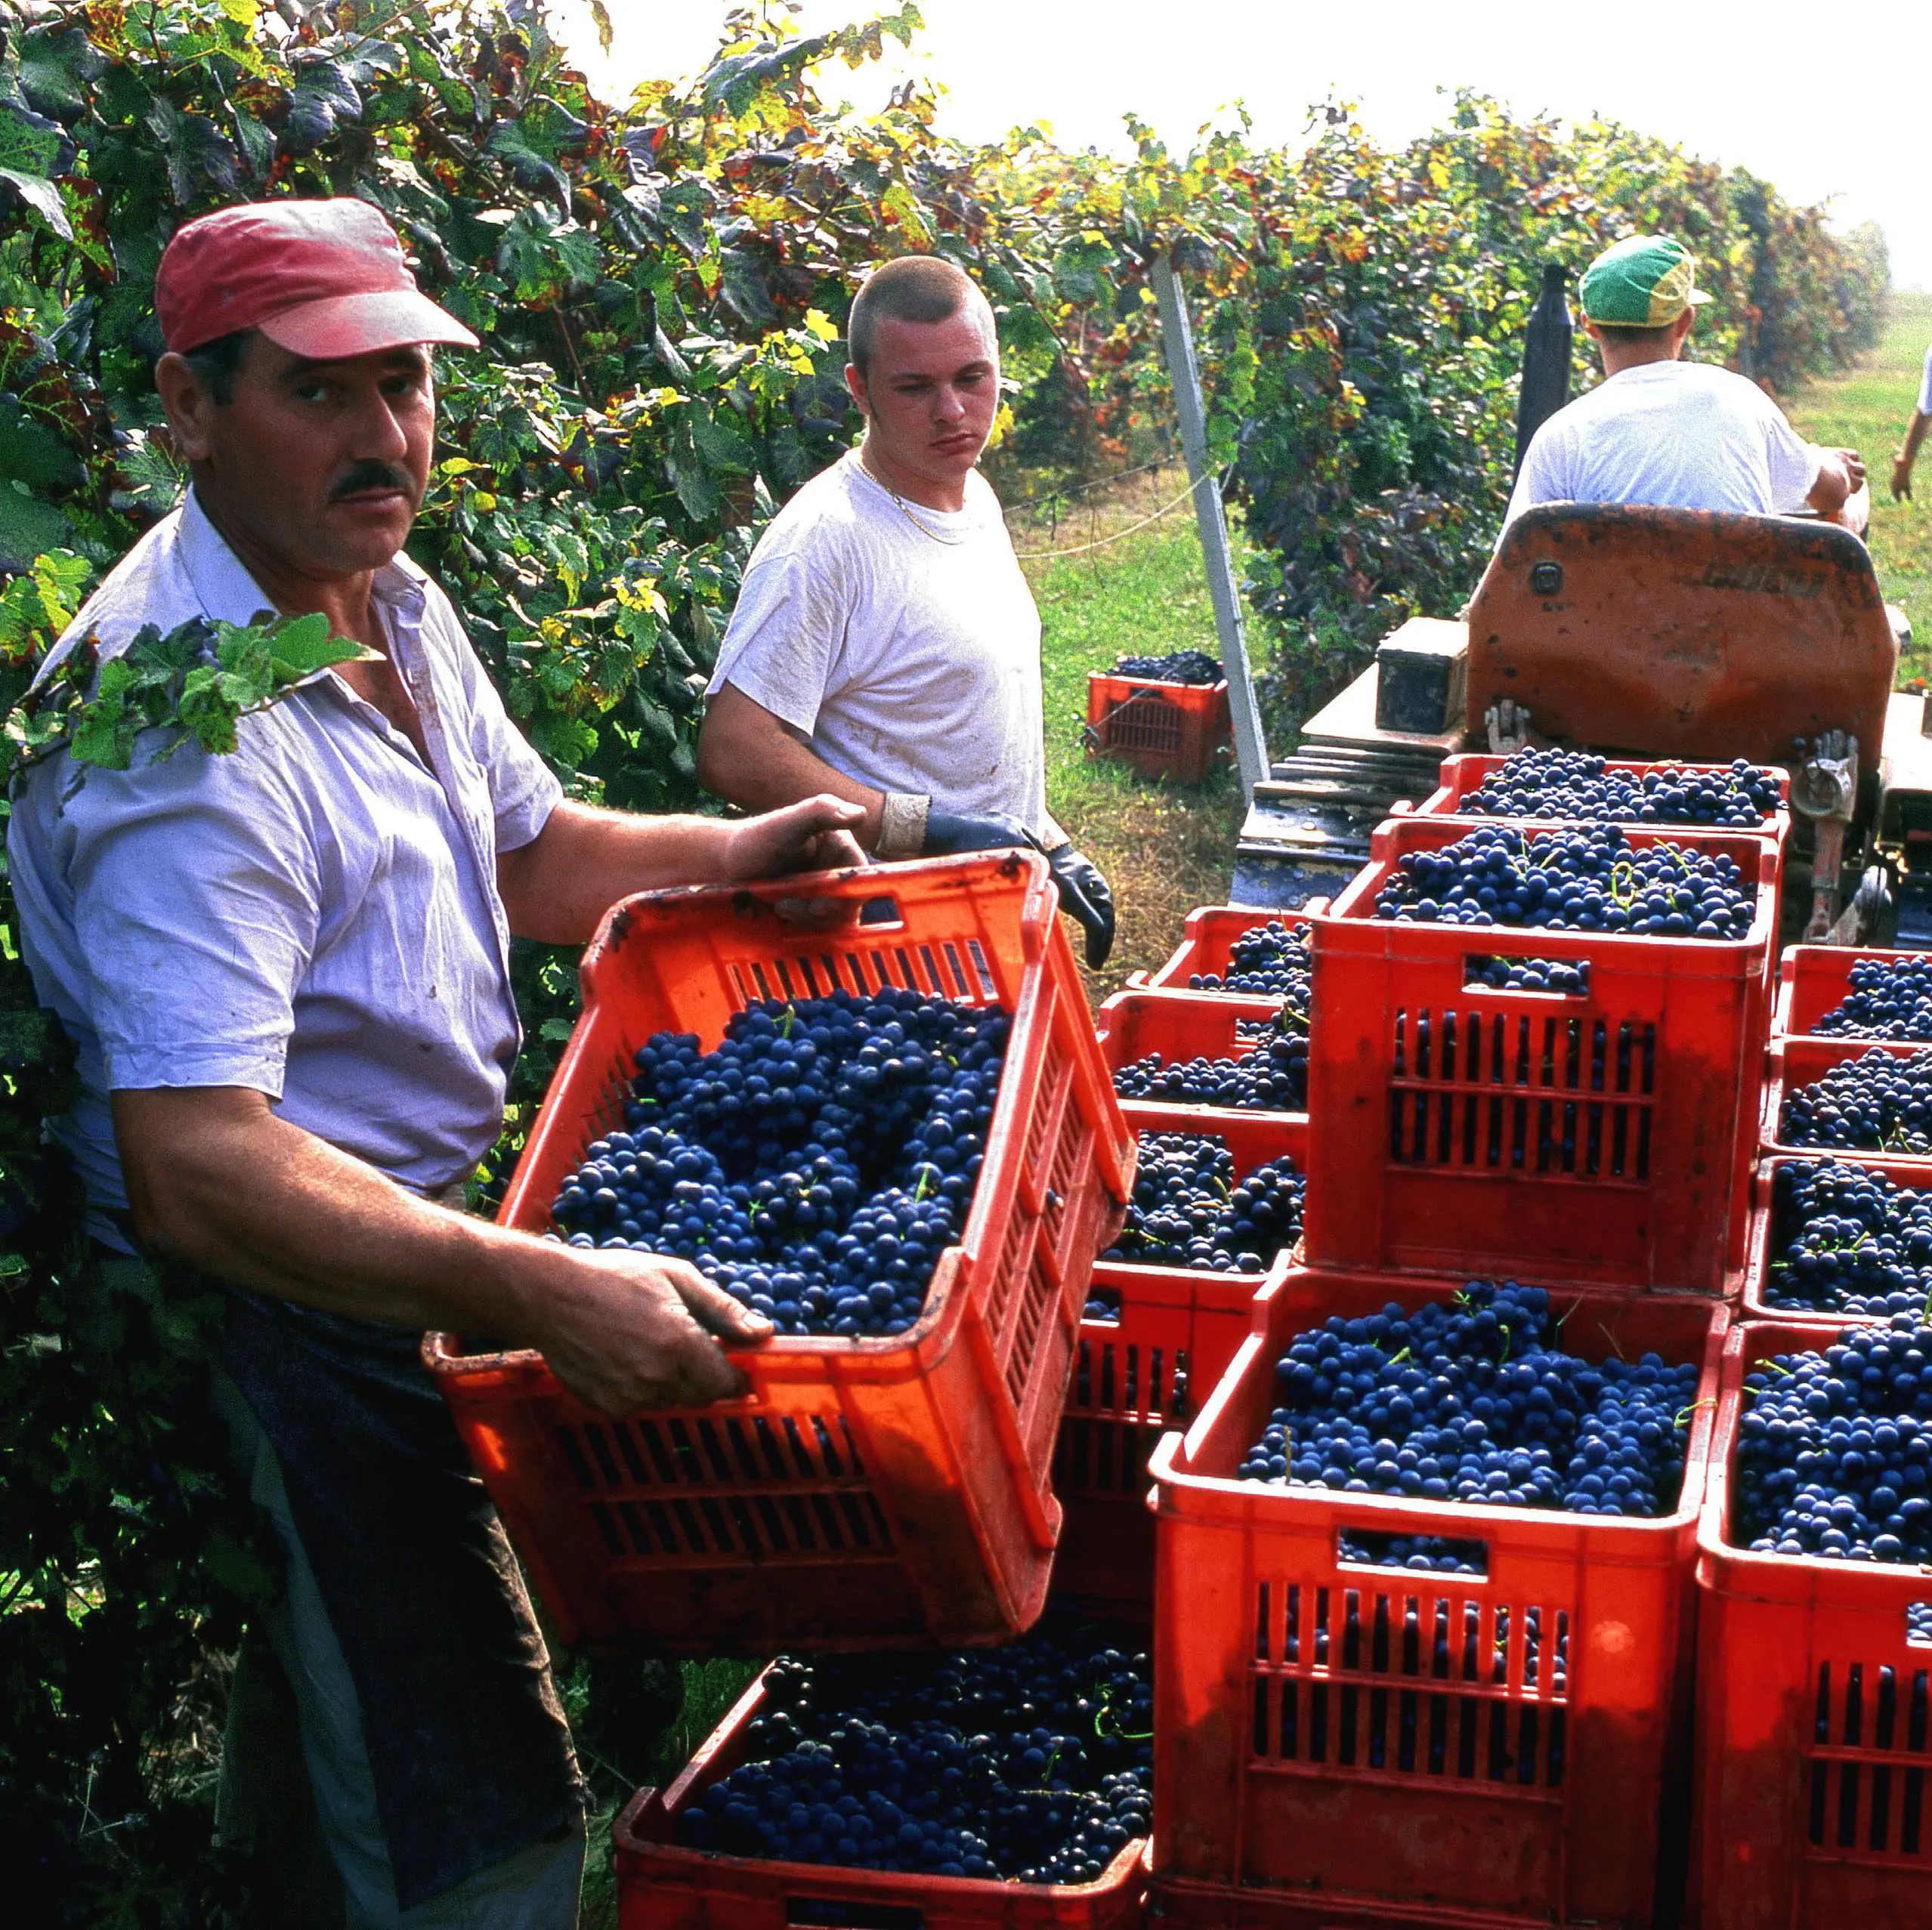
<point x="1681" y="434"/>
<point x="1925" y="386"/>
<point x="902" y="641"/>
<point x="314" y="915"/>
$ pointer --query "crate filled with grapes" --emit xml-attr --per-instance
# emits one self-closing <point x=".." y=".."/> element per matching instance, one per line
<point x="1170" y="1303"/>
<point x="1227" y="1057"/>
<point x="1003" y="1789"/>
<point x="1859" y="1097"/>
<point x="1167" y="716"/>
<point x="1813" y="1805"/>
<point x="895" y="1139"/>
<point x="1565" y="787"/>
<point x="1424" y="1567"/>
<point x="1540" y="1053"/>
<point x="1834" y="1238"/>
<point x="1838" y="992"/>
<point x="1234" y="951"/>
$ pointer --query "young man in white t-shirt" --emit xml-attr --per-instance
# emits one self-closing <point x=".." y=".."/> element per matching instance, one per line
<point x="1914" y="434"/>
<point x="1660" y="430"/>
<point x="886" y="648"/>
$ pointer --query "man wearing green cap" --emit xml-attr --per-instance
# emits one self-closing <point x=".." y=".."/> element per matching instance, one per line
<point x="1660" y="430"/>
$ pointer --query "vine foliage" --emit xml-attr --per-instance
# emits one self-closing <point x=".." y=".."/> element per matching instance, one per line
<point x="660" y="286"/>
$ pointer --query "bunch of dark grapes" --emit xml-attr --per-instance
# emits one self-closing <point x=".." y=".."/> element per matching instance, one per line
<point x="1273" y="1078"/>
<point x="1438" y="1553"/>
<point x="1176" y="667"/>
<point x="1880" y="1102"/>
<point x="1575" y="785"/>
<point x="815" y="1166"/>
<point x="1835" y="1449"/>
<point x="1531" y="974"/>
<point x="1471" y="1401"/>
<point x="1031" y="1763"/>
<point x="1189" y="1210"/>
<point x="1888" y="998"/>
<point x="1272" y="961"/>
<point x="1845" y="1239"/>
<point x="1593" y="879"/>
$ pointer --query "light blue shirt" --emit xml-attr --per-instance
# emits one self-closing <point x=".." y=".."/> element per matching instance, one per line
<point x="314" y="915"/>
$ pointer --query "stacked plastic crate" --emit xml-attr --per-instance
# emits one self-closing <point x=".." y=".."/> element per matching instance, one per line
<point x="1504" y="1738"/>
<point x="865" y="1493"/>
<point x="1814" y="1670"/>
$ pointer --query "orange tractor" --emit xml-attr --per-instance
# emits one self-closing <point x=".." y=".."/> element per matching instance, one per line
<point x="1655" y="633"/>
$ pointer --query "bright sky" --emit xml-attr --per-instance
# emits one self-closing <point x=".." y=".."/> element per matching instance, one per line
<point x="1824" y="104"/>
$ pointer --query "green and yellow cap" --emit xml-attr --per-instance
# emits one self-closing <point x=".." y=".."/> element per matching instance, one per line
<point x="1645" y="282"/>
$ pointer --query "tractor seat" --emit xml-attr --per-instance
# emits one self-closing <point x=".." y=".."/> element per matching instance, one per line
<point x="1682" y="633"/>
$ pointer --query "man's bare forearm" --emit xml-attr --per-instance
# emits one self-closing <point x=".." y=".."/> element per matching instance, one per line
<point x="557" y="887"/>
<point x="749" y="758"/>
<point x="215" y="1179"/>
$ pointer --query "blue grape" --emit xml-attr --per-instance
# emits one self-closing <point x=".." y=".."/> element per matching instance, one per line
<point x="1577" y="785"/>
<point x="1031" y="1763"/>
<point x="816" y="1165"/>
<point x="1878" y="1102"/>
<point x="1175" y="667"/>
<point x="1835" y="1449"/>
<point x="1592" y="879"/>
<point x="1473" y="1401"/>
<point x="1887" y="998"/>
<point x="1189" y="1210"/>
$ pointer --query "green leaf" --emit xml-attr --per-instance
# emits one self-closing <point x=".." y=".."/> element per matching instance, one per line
<point x="42" y="196"/>
<point x="27" y="528"/>
<point x="721" y="445"/>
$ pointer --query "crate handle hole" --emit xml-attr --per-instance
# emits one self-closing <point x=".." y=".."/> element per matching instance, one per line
<point x="881" y="911"/>
<point x="1919" y="1624"/>
<point x="1488" y="971"/>
<point x="844" y="1913"/>
<point x="1442" y="1554"/>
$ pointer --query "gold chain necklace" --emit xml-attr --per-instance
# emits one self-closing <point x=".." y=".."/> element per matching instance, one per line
<point x="925" y="529"/>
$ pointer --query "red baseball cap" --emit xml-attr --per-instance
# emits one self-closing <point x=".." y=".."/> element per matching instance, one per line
<point x="322" y="279"/>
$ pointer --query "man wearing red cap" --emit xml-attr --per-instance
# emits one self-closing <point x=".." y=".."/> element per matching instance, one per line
<point x="286" y="970"/>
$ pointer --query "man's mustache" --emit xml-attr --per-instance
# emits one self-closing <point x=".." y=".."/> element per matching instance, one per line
<point x="372" y="475"/>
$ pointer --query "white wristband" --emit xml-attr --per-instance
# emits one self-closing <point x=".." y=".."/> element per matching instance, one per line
<point x="902" y="825"/>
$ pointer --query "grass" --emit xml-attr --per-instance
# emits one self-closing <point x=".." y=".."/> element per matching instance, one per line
<point x="1164" y="849"/>
<point x="1867" y="410"/>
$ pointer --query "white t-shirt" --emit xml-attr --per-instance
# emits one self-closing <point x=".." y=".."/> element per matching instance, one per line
<point x="1681" y="434"/>
<point x="1925" y="386"/>
<point x="910" y="660"/>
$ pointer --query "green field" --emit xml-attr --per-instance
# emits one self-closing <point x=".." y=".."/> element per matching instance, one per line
<point x="1164" y="850"/>
<point x="1868" y="410"/>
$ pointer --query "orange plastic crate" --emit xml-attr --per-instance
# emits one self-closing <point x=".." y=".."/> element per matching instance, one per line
<point x="1181" y="1026"/>
<point x="1796" y="1062"/>
<point x="1812" y="1774"/>
<point x="1467" y="1129"/>
<point x="1814" y="980"/>
<point x="1220" y="1906"/>
<point x="1759" y="1252"/>
<point x="1207" y="939"/>
<point x="1462" y="776"/>
<point x="1171" y="730"/>
<point x="1150" y="1370"/>
<point x="1327" y="1731"/>
<point x="887" y="1490"/>
<point x="661" y="1886"/>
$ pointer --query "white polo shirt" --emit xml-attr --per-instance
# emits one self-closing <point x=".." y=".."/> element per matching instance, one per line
<point x="314" y="915"/>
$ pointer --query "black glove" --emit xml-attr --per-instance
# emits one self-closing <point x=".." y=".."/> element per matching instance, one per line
<point x="1086" y="897"/>
<point x="948" y="833"/>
